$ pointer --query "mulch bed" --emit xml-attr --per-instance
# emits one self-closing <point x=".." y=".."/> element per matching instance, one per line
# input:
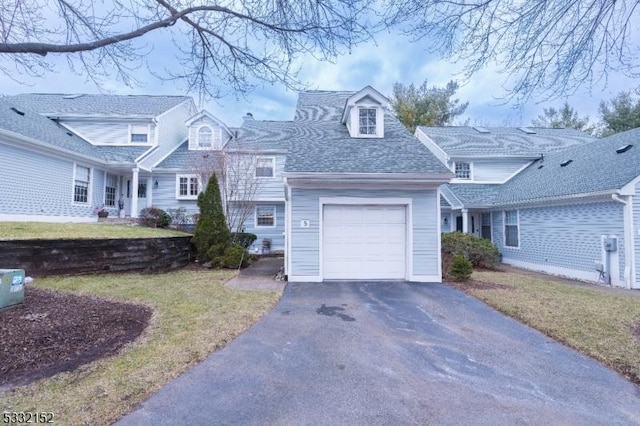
<point x="53" y="332"/>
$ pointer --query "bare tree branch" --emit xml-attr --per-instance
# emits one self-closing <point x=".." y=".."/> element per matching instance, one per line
<point x="541" y="46"/>
<point x="221" y="45"/>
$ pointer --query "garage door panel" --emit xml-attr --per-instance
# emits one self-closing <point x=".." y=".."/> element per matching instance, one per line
<point x="364" y="242"/>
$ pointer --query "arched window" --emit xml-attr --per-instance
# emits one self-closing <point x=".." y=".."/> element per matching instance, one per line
<point x="205" y="137"/>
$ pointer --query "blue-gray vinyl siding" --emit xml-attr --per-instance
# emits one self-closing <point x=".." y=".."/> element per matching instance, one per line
<point x="305" y="242"/>
<point x="164" y="195"/>
<point x="636" y="228"/>
<point x="32" y="183"/>
<point x="272" y="188"/>
<point x="568" y="236"/>
<point x="275" y="234"/>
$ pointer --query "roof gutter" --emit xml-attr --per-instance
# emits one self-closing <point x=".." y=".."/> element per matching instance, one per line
<point x="609" y="192"/>
<point x="351" y="177"/>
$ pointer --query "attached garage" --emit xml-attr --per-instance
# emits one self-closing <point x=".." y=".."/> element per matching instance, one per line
<point x="364" y="241"/>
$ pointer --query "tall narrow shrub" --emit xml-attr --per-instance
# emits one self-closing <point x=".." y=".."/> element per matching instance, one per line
<point x="211" y="235"/>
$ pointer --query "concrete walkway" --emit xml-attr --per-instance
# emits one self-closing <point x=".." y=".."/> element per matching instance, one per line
<point x="259" y="276"/>
<point x="391" y="353"/>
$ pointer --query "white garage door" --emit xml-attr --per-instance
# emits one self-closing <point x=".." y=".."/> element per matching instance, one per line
<point x="364" y="242"/>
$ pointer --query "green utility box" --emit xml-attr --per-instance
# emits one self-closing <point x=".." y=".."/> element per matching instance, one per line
<point x="11" y="287"/>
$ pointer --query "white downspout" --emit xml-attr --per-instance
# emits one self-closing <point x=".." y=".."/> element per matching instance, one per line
<point x="629" y="249"/>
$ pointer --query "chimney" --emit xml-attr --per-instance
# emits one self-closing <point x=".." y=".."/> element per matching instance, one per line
<point x="249" y="116"/>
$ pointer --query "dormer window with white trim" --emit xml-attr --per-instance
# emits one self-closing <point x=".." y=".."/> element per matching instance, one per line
<point x="463" y="170"/>
<point x="367" y="121"/>
<point x="364" y="114"/>
<point x="139" y="133"/>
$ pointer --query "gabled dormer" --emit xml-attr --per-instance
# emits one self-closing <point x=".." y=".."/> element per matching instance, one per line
<point x="364" y="113"/>
<point x="206" y="131"/>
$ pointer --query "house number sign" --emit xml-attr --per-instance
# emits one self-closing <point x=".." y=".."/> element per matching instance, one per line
<point x="304" y="223"/>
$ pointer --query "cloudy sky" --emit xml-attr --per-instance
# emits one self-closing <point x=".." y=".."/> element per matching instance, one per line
<point x="391" y="58"/>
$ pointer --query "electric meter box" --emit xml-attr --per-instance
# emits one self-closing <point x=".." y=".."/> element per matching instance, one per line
<point x="11" y="287"/>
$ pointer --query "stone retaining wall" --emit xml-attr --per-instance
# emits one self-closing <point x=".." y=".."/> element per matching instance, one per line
<point x="89" y="256"/>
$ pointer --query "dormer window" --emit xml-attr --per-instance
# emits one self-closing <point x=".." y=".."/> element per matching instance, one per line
<point x="463" y="170"/>
<point x="364" y="114"/>
<point x="205" y="137"/>
<point x="367" y="121"/>
<point x="139" y="133"/>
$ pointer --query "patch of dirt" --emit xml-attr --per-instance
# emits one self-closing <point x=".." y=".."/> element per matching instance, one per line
<point x="479" y="285"/>
<point x="52" y="332"/>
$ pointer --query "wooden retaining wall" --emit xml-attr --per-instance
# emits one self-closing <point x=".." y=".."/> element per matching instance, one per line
<point x="86" y="256"/>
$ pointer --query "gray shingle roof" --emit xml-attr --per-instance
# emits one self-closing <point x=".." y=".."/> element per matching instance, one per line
<point x="180" y="159"/>
<point x="262" y="135"/>
<point x="321" y="143"/>
<point x="595" y="167"/>
<point x="503" y="141"/>
<point x="112" y="105"/>
<point x="47" y="131"/>
<point x="471" y="195"/>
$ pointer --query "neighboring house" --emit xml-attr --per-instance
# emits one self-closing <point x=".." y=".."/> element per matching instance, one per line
<point x="65" y="155"/>
<point x="566" y="208"/>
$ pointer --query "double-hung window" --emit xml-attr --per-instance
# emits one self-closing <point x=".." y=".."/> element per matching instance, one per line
<point x="265" y="216"/>
<point x="187" y="187"/>
<point x="265" y="167"/>
<point x="81" y="184"/>
<point x="110" y="188"/>
<point x="367" y="121"/>
<point x="463" y="170"/>
<point x="511" y="233"/>
<point x="139" y="133"/>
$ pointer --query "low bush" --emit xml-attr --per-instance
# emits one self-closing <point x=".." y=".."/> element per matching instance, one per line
<point x="479" y="251"/>
<point x="460" y="268"/>
<point x="245" y="239"/>
<point x="154" y="217"/>
<point x="235" y="256"/>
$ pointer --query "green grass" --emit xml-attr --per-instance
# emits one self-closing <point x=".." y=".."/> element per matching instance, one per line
<point x="41" y="231"/>
<point x="194" y="315"/>
<point x="596" y="323"/>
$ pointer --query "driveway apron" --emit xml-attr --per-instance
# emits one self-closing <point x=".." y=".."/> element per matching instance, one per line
<point x="387" y="353"/>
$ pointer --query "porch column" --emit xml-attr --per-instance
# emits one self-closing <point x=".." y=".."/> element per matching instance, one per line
<point x="134" y="193"/>
<point x="149" y="191"/>
<point x="465" y="221"/>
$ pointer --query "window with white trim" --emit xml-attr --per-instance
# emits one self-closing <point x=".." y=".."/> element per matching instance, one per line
<point x="511" y="231"/>
<point x="367" y="121"/>
<point x="265" y="216"/>
<point x="265" y="167"/>
<point x="139" y="133"/>
<point x="110" y="188"/>
<point x="81" y="184"/>
<point x="142" y="189"/>
<point x="463" y="170"/>
<point x="205" y="137"/>
<point x="187" y="187"/>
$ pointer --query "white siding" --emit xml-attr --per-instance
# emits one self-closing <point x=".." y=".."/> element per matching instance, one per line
<point x="171" y="133"/>
<point x="107" y="132"/>
<point x="496" y="170"/>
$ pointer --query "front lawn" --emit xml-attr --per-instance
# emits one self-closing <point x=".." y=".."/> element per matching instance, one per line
<point x="193" y="315"/>
<point x="45" y="231"/>
<point x="605" y="326"/>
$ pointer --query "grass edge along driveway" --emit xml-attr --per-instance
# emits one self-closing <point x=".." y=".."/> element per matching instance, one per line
<point x="193" y="315"/>
<point x="602" y="325"/>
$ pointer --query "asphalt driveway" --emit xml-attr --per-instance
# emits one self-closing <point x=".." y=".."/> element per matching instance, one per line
<point x="391" y="354"/>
